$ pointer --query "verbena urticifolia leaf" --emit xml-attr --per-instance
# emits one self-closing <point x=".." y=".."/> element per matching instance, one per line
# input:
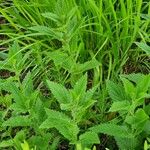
<point x="120" y="106"/>
<point x="112" y="130"/>
<point x="116" y="91"/>
<point x="60" y="92"/>
<point x="80" y="88"/>
<point x="89" y="138"/>
<point x="18" y="121"/>
<point x="65" y="125"/>
<point x="138" y="120"/>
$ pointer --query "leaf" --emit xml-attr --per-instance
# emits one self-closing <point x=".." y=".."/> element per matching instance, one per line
<point x="143" y="85"/>
<point x="7" y="143"/>
<point x="17" y="121"/>
<point x="28" y="84"/>
<point x="115" y="91"/>
<point x="138" y="120"/>
<point x="14" y="55"/>
<point x="62" y="123"/>
<point x="112" y="130"/>
<point x="134" y="77"/>
<point x="129" y="88"/>
<point x="86" y="66"/>
<point x="89" y="138"/>
<point x="120" y="106"/>
<point x="128" y="143"/>
<point x="80" y="88"/>
<point x="144" y="47"/>
<point x="60" y="92"/>
<point x="47" y="31"/>
<point x="51" y="16"/>
<point x="89" y="94"/>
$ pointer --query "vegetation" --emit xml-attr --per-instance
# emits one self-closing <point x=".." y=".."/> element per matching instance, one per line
<point x="74" y="74"/>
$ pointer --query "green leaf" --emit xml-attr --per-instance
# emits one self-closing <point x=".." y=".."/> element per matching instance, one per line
<point x="51" y="16"/>
<point x="116" y="91"/>
<point x="58" y="57"/>
<point x="144" y="47"/>
<point x="27" y="84"/>
<point x="129" y="88"/>
<point x="134" y="77"/>
<point x="60" y="92"/>
<point x="62" y="123"/>
<point x="86" y="66"/>
<point x="112" y="130"/>
<point x="43" y="30"/>
<point x="143" y="85"/>
<point x="18" y="121"/>
<point x="120" y="106"/>
<point x="138" y="120"/>
<point x="7" y="143"/>
<point x="80" y="88"/>
<point x="89" y="138"/>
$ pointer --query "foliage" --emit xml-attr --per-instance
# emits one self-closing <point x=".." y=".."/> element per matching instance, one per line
<point x="74" y="74"/>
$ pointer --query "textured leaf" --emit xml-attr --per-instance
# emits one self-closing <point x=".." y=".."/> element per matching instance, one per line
<point x="143" y="85"/>
<point x="89" y="138"/>
<point x="7" y="143"/>
<point x="115" y="91"/>
<point x="134" y="77"/>
<point x="127" y="143"/>
<point x="59" y="92"/>
<point x="80" y="88"/>
<point x="119" y="106"/>
<point x="138" y="120"/>
<point x="86" y="66"/>
<point x="112" y="130"/>
<point x="51" y="16"/>
<point x="129" y="88"/>
<point x="47" y="31"/>
<point x="17" y="121"/>
<point x="62" y="123"/>
<point x="27" y="84"/>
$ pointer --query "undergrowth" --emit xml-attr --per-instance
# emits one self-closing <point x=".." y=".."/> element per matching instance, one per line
<point x="74" y="74"/>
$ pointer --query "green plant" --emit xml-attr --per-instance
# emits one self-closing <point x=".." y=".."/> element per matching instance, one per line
<point x="55" y="59"/>
<point x="129" y="101"/>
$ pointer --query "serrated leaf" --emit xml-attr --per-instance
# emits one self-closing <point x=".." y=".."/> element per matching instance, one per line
<point x="89" y="138"/>
<point x="58" y="57"/>
<point x="120" y="106"/>
<point x="143" y="85"/>
<point x="17" y="121"/>
<point x="28" y="84"/>
<point x="51" y="16"/>
<point x="89" y="94"/>
<point x="60" y="92"/>
<point x="7" y="143"/>
<point x="129" y="88"/>
<point x="47" y="31"/>
<point x="62" y="123"/>
<point x="112" y="130"/>
<point x="138" y="120"/>
<point x="134" y="77"/>
<point x="115" y="91"/>
<point x="80" y="88"/>
<point x="86" y="66"/>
